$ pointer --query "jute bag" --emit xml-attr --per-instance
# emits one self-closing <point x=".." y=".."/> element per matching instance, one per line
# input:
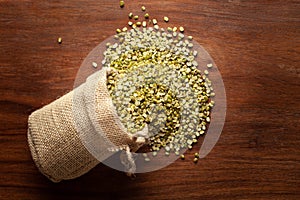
<point x="73" y="134"/>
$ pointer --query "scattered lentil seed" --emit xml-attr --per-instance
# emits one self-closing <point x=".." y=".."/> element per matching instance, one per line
<point x="146" y="15"/>
<point x="209" y="65"/>
<point x="122" y="4"/>
<point x="118" y="30"/>
<point x="144" y="23"/>
<point x="124" y="29"/>
<point x="195" y="160"/>
<point x="130" y="15"/>
<point x="166" y="19"/>
<point x="143" y="8"/>
<point x="175" y="29"/>
<point x="59" y="40"/>
<point x="169" y="29"/>
<point x="182" y="157"/>
<point x="181" y="29"/>
<point x="196" y="155"/>
<point x="190" y="37"/>
<point x="130" y="23"/>
<point x="154" y="21"/>
<point x="94" y="64"/>
<point x="138" y="24"/>
<point x="156" y="26"/>
<point x="136" y="17"/>
<point x="206" y="72"/>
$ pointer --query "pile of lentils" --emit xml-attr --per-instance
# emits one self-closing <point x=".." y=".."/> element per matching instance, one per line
<point x="155" y="83"/>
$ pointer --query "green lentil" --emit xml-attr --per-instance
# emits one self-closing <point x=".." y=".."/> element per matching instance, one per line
<point x="122" y="4"/>
<point x="118" y="30"/>
<point x="130" y="23"/>
<point x="144" y="98"/>
<point x="94" y="64"/>
<point x="130" y="15"/>
<point x="166" y="19"/>
<point x="59" y="40"/>
<point x="138" y="24"/>
<point x="209" y="65"/>
<point x="144" y="24"/>
<point x="181" y="29"/>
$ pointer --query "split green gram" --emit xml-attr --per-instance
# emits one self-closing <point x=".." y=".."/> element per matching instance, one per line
<point x="146" y="61"/>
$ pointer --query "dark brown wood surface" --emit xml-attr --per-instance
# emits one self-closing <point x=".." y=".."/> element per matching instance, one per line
<point x="256" y="47"/>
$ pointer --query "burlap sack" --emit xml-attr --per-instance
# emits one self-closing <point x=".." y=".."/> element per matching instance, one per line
<point x="73" y="134"/>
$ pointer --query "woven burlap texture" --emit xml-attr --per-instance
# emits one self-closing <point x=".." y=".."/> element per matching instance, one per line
<point x="74" y="133"/>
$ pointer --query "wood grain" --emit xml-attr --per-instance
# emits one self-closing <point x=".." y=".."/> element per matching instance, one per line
<point x="254" y="43"/>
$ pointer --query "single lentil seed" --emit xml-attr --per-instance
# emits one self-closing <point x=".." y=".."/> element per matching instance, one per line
<point x="130" y="23"/>
<point x="182" y="157"/>
<point x="209" y="65"/>
<point x="118" y="30"/>
<point x="154" y="21"/>
<point x="144" y="23"/>
<point x="59" y="40"/>
<point x="124" y="29"/>
<point x="166" y="19"/>
<point x="146" y="15"/>
<point x="138" y="24"/>
<point x="196" y="155"/>
<point x="181" y="29"/>
<point x="195" y="160"/>
<point x="122" y="4"/>
<point x="175" y="29"/>
<point x="136" y="17"/>
<point x="143" y="8"/>
<point x="130" y="15"/>
<point x="94" y="64"/>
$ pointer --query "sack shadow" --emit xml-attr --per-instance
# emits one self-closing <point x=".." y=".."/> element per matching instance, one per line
<point x="101" y="182"/>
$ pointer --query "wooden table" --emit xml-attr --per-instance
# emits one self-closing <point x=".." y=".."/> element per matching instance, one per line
<point x="256" y="47"/>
